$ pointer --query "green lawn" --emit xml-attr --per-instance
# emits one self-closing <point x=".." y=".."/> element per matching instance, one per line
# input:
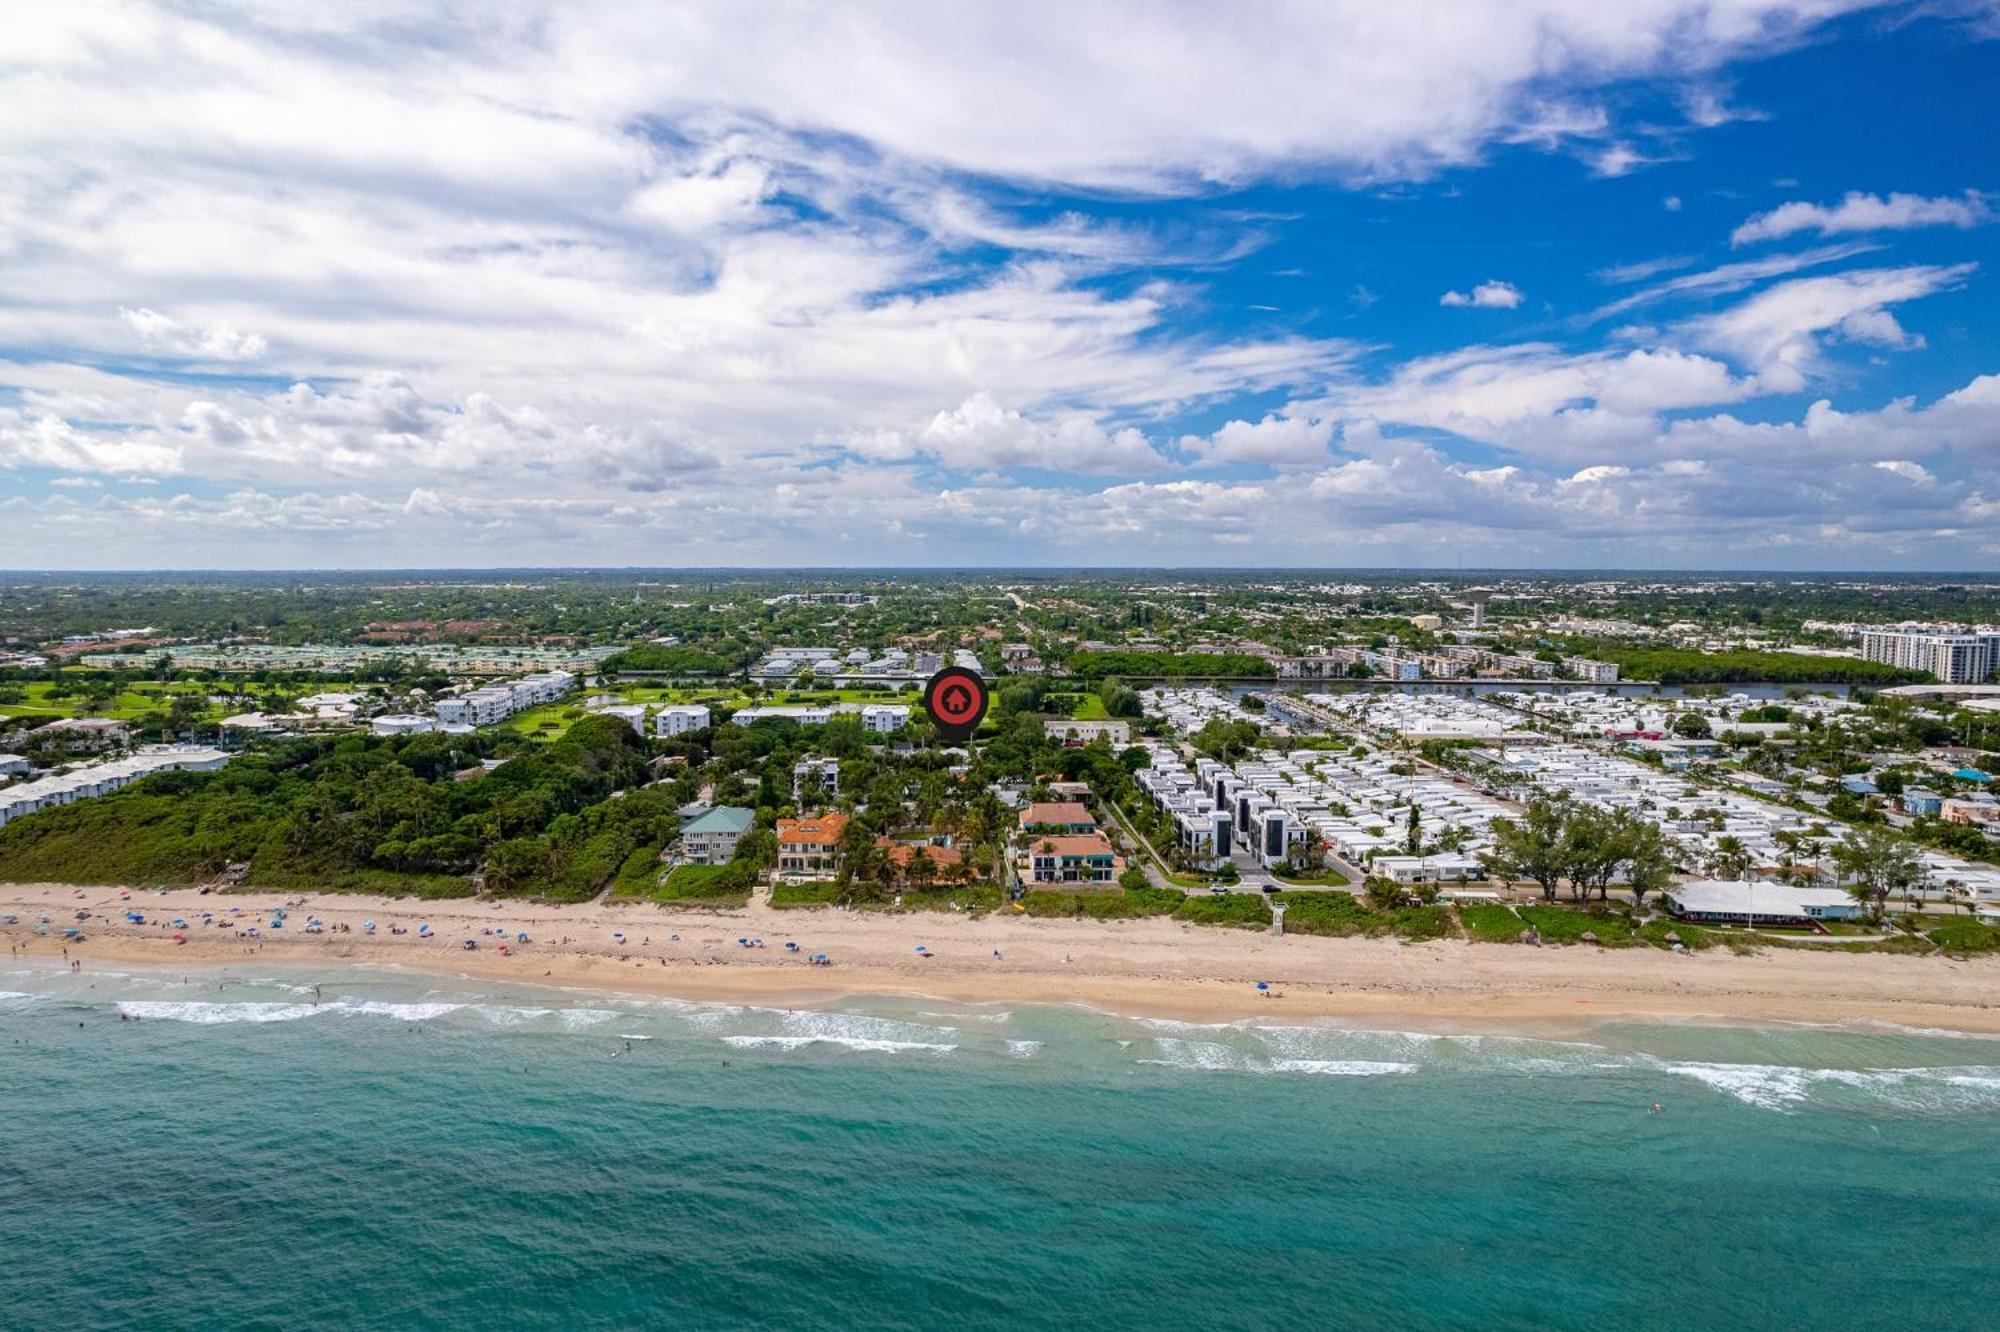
<point x="1241" y="910"/>
<point x="1332" y="914"/>
<point x="133" y="701"/>
<point x="976" y="897"/>
<point x="643" y="876"/>
<point x="1562" y="924"/>
<point x="1341" y="914"/>
<point x="806" y="894"/>
<point x="1091" y="904"/>
<point x="550" y="721"/>
<point x="1491" y="922"/>
<point x="1967" y="936"/>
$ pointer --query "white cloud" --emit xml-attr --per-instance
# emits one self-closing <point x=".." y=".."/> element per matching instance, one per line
<point x="982" y="436"/>
<point x="1915" y="473"/>
<point x="1486" y="296"/>
<point x="1536" y="398"/>
<point x="1724" y="279"/>
<point x="585" y="283"/>
<point x="1776" y="330"/>
<point x="1275" y="440"/>
<point x="206" y="342"/>
<point x="1865" y="212"/>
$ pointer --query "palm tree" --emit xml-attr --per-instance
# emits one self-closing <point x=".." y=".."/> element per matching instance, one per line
<point x="1730" y="859"/>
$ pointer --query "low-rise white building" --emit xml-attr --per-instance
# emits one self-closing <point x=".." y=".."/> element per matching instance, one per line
<point x="1730" y="902"/>
<point x="680" y="719"/>
<point x="496" y="702"/>
<point x="884" y="718"/>
<point x="96" y="779"/>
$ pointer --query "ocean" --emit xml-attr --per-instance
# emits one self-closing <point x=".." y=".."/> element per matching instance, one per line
<point x="417" y="1153"/>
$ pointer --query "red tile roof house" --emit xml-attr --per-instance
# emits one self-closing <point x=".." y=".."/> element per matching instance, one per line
<point x="1072" y="858"/>
<point x="810" y="846"/>
<point x="1058" y="816"/>
<point x="944" y="859"/>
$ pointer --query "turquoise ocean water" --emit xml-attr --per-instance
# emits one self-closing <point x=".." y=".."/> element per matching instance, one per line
<point x="412" y="1153"/>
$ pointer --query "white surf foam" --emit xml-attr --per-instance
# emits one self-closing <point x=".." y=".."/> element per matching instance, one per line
<point x="842" y="1042"/>
<point x="1343" y="1068"/>
<point x="209" y="1015"/>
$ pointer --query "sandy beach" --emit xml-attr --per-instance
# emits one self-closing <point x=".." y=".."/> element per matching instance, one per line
<point x="1144" y="967"/>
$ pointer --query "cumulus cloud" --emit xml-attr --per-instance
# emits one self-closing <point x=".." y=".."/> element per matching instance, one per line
<point x="1537" y="398"/>
<point x="1776" y="330"/>
<point x="1275" y="440"/>
<point x="1865" y="212"/>
<point x="581" y="283"/>
<point x="205" y="342"/>
<point x="1485" y="296"/>
<point x="980" y="435"/>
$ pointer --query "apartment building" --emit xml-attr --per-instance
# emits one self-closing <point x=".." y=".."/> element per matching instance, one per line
<point x="494" y="703"/>
<point x="680" y="719"/>
<point x="1953" y="658"/>
<point x="1071" y="730"/>
<point x="98" y="779"/>
<point x="1597" y="672"/>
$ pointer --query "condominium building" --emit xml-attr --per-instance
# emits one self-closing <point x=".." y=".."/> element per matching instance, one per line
<point x="680" y="719"/>
<point x="96" y="779"/>
<point x="497" y="702"/>
<point x="1952" y="658"/>
<point x="1597" y="672"/>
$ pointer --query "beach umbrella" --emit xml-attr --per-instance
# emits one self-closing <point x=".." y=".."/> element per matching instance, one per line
<point x="368" y="927"/>
<point x="522" y="937"/>
<point x="180" y="924"/>
<point x="1263" y="985"/>
<point x="180" y="938"/>
<point x="618" y="935"/>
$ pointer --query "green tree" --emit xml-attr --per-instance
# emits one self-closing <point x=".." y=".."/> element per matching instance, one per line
<point x="1881" y="864"/>
<point x="1530" y="847"/>
<point x="1730" y="859"/>
<point x="1692" y="726"/>
<point x="1384" y="893"/>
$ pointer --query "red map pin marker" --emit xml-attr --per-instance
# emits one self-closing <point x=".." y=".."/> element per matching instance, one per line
<point x="955" y="698"/>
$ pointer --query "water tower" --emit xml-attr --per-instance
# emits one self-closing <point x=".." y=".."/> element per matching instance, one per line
<point x="1479" y="596"/>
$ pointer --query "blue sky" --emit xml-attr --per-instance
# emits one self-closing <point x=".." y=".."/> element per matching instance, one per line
<point x="1551" y="284"/>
